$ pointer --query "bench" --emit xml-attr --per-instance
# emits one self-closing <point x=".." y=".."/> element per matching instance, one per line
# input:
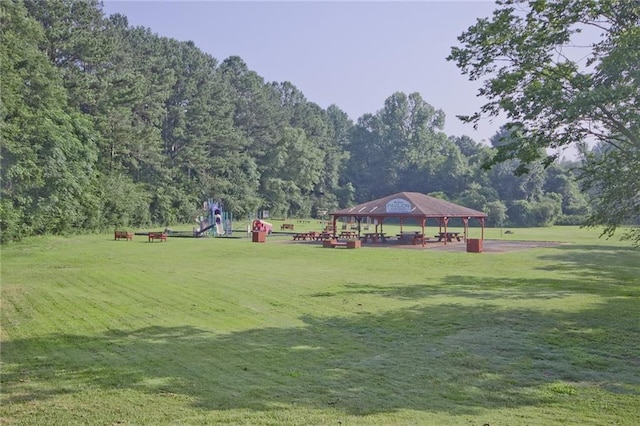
<point x="117" y="235"/>
<point x="329" y="243"/>
<point x="354" y="244"/>
<point x="157" y="236"/>
<point x="286" y="226"/>
<point x="351" y="244"/>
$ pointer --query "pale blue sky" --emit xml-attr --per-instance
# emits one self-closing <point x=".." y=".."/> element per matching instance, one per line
<point x="352" y="54"/>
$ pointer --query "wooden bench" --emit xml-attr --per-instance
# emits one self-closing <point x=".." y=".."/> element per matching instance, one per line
<point x="286" y="226"/>
<point x="117" y="235"/>
<point x="157" y="236"/>
<point x="354" y="244"/>
<point x="351" y="244"/>
<point x="329" y="243"/>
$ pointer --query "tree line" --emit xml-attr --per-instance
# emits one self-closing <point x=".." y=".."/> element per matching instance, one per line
<point x="107" y="125"/>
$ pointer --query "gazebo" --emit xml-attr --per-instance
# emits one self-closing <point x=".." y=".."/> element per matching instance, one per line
<point x="411" y="205"/>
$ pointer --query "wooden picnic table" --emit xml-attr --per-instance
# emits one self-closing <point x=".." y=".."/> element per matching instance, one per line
<point x="407" y="236"/>
<point x="374" y="237"/>
<point x="311" y="235"/>
<point x="414" y="238"/>
<point x="449" y="236"/>
<point x="348" y="234"/>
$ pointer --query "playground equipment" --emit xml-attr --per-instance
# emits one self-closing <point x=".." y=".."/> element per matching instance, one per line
<point x="214" y="220"/>
<point x="260" y="229"/>
<point x="262" y="226"/>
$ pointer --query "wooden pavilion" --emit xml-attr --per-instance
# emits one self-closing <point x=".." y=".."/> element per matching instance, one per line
<point x="414" y="206"/>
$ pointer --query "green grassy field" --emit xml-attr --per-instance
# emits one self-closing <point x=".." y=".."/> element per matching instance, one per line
<point x="225" y="331"/>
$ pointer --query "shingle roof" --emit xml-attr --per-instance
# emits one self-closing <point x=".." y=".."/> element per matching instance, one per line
<point x="409" y="204"/>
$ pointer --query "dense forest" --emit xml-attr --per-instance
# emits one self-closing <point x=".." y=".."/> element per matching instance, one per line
<point x="107" y="125"/>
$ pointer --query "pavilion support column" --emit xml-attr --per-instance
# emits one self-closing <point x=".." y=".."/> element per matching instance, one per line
<point x="424" y="237"/>
<point x="378" y="222"/>
<point x="446" y="221"/>
<point x="465" y="220"/>
<point x="334" y="220"/>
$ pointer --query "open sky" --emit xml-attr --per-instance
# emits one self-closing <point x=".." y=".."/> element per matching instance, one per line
<point x="352" y="54"/>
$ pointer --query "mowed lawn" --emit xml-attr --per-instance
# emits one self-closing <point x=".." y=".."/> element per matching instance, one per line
<point x="225" y="331"/>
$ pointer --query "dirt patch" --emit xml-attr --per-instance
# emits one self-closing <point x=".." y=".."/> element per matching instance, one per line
<point x="488" y="246"/>
<point x="498" y="246"/>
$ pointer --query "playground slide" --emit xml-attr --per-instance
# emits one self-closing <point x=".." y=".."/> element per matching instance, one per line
<point x="205" y="229"/>
<point x="219" y="229"/>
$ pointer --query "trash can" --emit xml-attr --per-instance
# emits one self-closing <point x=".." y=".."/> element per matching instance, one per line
<point x="259" y="236"/>
<point x="474" y="245"/>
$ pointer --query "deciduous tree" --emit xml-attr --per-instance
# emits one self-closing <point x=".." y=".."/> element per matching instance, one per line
<point x="563" y="72"/>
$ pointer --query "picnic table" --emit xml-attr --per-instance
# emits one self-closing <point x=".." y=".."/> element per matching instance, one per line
<point x="348" y="234"/>
<point x="374" y="237"/>
<point x="407" y="236"/>
<point x="312" y="235"/>
<point x="300" y="236"/>
<point x="448" y="236"/>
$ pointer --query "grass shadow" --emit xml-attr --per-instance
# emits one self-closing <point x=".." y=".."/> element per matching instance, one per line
<point x="465" y="345"/>
<point x="609" y="265"/>
<point x="453" y="358"/>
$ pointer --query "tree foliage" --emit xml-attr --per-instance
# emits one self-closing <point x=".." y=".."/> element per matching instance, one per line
<point x="47" y="149"/>
<point x="106" y="125"/>
<point x="564" y="72"/>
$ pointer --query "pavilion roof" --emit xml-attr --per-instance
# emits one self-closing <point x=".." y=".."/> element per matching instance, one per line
<point x="409" y="204"/>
